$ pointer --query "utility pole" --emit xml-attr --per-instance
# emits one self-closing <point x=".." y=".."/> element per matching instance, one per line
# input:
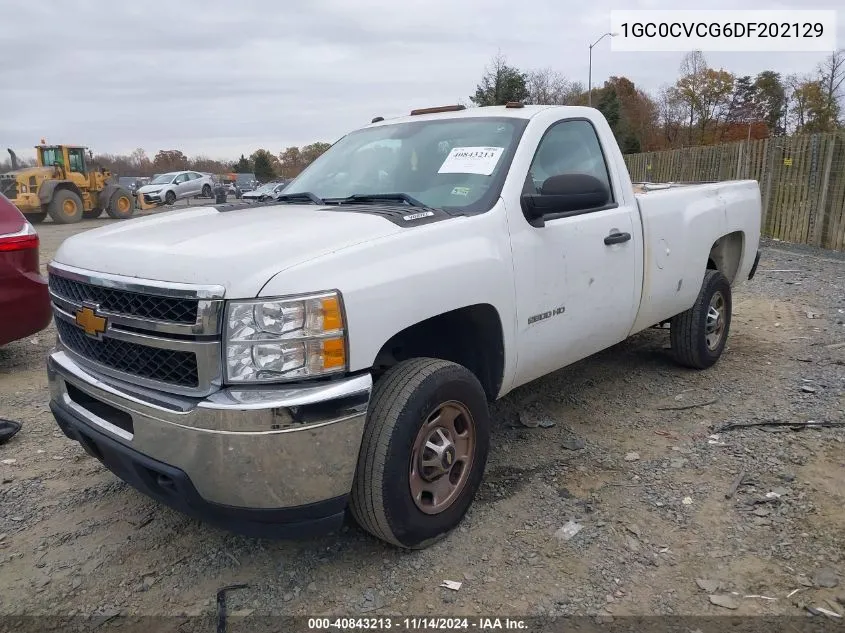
<point x="590" y="69"/>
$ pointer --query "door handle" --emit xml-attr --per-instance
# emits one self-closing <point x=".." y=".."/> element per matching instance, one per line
<point x="617" y="238"/>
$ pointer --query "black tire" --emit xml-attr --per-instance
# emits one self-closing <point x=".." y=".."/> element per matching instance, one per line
<point x="206" y="191"/>
<point x="695" y="341"/>
<point x="65" y="207"/>
<point x="169" y="198"/>
<point x="402" y="401"/>
<point x="121" y="205"/>
<point x="93" y="214"/>
<point x="36" y="218"/>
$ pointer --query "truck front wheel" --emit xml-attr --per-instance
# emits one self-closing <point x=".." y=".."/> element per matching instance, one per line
<point x="423" y="452"/>
<point x="699" y="335"/>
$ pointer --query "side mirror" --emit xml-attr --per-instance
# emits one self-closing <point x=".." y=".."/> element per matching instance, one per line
<point x="562" y="194"/>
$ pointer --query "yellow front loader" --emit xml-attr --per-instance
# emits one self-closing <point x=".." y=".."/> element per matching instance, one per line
<point x="66" y="186"/>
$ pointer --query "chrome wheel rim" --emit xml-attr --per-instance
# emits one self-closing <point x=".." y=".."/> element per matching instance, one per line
<point x="714" y="328"/>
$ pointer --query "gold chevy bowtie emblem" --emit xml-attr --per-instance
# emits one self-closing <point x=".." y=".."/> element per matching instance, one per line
<point x="88" y="320"/>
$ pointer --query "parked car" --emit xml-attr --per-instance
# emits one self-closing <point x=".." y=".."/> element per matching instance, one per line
<point x="339" y="350"/>
<point x="266" y="192"/>
<point x="132" y="184"/>
<point x="176" y="185"/>
<point x="245" y="182"/>
<point x="24" y="296"/>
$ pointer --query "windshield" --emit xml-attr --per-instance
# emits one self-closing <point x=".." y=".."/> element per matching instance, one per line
<point x="452" y="163"/>
<point x="164" y="179"/>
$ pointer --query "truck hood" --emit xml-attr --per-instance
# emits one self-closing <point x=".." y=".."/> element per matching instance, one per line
<point x="239" y="249"/>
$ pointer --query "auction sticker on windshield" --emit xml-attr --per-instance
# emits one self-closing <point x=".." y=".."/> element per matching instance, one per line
<point x="471" y="160"/>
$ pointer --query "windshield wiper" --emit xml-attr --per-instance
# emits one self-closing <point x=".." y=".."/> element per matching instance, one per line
<point x="302" y="196"/>
<point x="363" y="198"/>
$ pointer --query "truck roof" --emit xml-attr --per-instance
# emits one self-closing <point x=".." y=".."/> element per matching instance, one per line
<point x="524" y="112"/>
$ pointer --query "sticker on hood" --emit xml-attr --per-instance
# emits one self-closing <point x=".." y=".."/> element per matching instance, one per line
<point x="471" y="160"/>
<point x="417" y="216"/>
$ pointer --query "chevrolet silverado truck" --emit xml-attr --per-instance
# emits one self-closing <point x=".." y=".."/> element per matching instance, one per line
<point x="275" y="368"/>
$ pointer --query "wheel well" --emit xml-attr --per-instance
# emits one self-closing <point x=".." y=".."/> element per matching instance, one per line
<point x="470" y="336"/>
<point x="726" y="253"/>
<point x="46" y="191"/>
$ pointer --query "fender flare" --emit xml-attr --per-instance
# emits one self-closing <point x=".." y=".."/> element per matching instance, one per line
<point x="48" y="188"/>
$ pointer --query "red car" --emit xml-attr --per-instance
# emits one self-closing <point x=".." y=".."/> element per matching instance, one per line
<point x="24" y="296"/>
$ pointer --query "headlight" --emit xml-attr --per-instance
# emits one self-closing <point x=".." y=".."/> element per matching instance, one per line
<point x="24" y="189"/>
<point x="153" y="191"/>
<point x="271" y="340"/>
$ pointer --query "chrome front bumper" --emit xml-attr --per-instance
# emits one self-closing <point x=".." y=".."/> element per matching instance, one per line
<point x="257" y="449"/>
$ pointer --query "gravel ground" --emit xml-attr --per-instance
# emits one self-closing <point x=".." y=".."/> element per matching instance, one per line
<point x="616" y="504"/>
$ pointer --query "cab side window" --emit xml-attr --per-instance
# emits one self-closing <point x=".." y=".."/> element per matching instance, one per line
<point x="568" y="148"/>
<point x="76" y="157"/>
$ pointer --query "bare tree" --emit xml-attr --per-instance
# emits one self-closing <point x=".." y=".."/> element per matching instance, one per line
<point x="832" y="78"/>
<point x="549" y="87"/>
<point x="671" y="114"/>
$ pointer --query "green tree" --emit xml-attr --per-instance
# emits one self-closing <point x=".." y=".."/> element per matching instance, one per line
<point x="771" y="95"/>
<point x="743" y="106"/>
<point x="263" y="165"/>
<point x="243" y="166"/>
<point x="608" y="105"/>
<point x="500" y="84"/>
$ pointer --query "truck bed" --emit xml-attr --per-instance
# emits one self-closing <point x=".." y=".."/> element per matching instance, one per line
<point x="682" y="223"/>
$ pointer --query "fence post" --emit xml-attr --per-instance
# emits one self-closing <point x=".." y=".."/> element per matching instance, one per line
<point x="739" y="161"/>
<point x="770" y="170"/>
<point x="817" y="218"/>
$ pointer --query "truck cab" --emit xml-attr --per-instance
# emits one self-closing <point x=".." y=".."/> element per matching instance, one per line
<point x="275" y="368"/>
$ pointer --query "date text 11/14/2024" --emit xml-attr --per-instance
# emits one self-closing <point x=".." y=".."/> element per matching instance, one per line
<point x="416" y="624"/>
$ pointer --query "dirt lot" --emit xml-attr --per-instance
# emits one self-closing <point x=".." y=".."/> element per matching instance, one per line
<point x="634" y="457"/>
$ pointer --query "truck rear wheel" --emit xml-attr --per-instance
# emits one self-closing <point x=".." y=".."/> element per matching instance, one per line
<point x="121" y="206"/>
<point x="65" y="207"/>
<point x="423" y="453"/>
<point x="699" y="335"/>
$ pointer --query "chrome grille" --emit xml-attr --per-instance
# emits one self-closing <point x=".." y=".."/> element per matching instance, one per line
<point x="163" y="365"/>
<point x="130" y="303"/>
<point x="159" y="335"/>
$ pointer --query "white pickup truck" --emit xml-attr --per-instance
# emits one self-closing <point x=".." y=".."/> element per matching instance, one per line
<point x="271" y="367"/>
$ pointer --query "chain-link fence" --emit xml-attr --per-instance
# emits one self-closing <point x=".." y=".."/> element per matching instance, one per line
<point x="802" y="180"/>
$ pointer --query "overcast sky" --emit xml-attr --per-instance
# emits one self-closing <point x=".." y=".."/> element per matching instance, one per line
<point x="224" y="78"/>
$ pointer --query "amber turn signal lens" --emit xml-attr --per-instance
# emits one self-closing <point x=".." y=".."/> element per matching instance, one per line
<point x="334" y="353"/>
<point x="332" y="318"/>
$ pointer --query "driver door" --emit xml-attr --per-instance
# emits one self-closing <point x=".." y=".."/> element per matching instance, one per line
<point x="575" y="288"/>
<point x="182" y="185"/>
